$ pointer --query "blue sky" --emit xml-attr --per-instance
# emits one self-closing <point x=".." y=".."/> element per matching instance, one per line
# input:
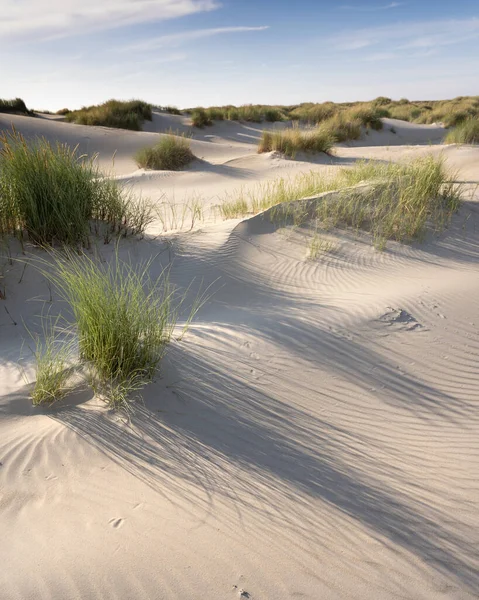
<point x="57" y="53"/>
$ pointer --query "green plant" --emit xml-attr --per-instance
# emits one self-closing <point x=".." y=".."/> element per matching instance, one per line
<point x="171" y="153"/>
<point x="63" y="111"/>
<point x="465" y="133"/>
<point x="123" y="318"/>
<point x="318" y="246"/>
<point x="291" y="141"/>
<point x="55" y="196"/>
<point x="53" y="365"/>
<point x="113" y="113"/>
<point x="200" y="118"/>
<point x="233" y="209"/>
<point x="14" y="106"/>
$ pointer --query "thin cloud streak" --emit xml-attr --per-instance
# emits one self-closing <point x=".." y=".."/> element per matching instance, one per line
<point x="372" y="8"/>
<point x="406" y="35"/>
<point x="45" y="19"/>
<point x="178" y="39"/>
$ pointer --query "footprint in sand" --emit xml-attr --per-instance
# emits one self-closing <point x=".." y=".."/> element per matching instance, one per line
<point x="116" y="523"/>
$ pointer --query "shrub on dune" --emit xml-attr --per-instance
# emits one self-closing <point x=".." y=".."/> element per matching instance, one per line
<point x="170" y="154"/>
<point x="63" y="111"/>
<point x="54" y="196"/>
<point x="465" y="133"/>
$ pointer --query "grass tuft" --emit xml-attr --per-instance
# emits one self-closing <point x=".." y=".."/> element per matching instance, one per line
<point x="291" y="141"/>
<point x="200" y="118"/>
<point x="14" y="106"/>
<point x="170" y="154"/>
<point x="465" y="133"/>
<point x="54" y="196"/>
<point x="53" y="366"/>
<point x="113" y="113"/>
<point x="123" y="318"/>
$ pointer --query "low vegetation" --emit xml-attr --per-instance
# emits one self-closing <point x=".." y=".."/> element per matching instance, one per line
<point x="291" y="141"/>
<point x="254" y="113"/>
<point x="390" y="201"/>
<point x="448" y="112"/>
<point x="54" y="196"/>
<point x="53" y="365"/>
<point x="200" y="118"/>
<point x="114" y="113"/>
<point x="16" y="105"/>
<point x="172" y="153"/>
<point x="123" y="320"/>
<point x="466" y="132"/>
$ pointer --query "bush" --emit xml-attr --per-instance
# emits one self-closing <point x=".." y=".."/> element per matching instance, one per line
<point x="342" y="129"/>
<point x="170" y="154"/>
<point x="14" y="106"/>
<point x="465" y="133"/>
<point x="53" y="195"/>
<point x="291" y="141"/>
<point x="114" y="113"/>
<point x="369" y="117"/>
<point x="63" y="111"/>
<point x="200" y="118"/>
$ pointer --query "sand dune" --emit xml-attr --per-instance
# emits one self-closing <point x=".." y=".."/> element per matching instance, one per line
<point x="315" y="435"/>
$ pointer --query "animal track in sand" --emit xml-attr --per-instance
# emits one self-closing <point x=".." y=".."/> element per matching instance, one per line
<point x="116" y="523"/>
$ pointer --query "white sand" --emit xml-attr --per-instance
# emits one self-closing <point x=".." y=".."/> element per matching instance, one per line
<point x="315" y="435"/>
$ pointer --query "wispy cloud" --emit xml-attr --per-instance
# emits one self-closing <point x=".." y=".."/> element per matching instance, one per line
<point x="61" y="18"/>
<point x="428" y="34"/>
<point x="183" y="37"/>
<point x="370" y="8"/>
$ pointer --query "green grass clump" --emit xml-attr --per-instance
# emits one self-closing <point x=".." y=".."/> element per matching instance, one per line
<point x="465" y="133"/>
<point x="113" y="113"/>
<point x="234" y="209"/>
<point x="200" y="118"/>
<point x="170" y="154"/>
<point x="123" y="318"/>
<point x="63" y="111"/>
<point x="53" y="366"/>
<point x="291" y="141"/>
<point x="390" y="201"/>
<point x="54" y="196"/>
<point x="16" y="105"/>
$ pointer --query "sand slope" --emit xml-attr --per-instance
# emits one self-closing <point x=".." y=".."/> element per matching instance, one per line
<point x="315" y="435"/>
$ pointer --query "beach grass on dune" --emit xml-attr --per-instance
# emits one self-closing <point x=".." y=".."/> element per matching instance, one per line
<point x="200" y="118"/>
<point x="466" y="132"/>
<point x="54" y="196"/>
<point x="390" y="201"/>
<point x="171" y="153"/>
<point x="16" y="105"/>
<point x="291" y="141"/>
<point x="53" y="356"/>
<point x="119" y="114"/>
<point x="122" y="317"/>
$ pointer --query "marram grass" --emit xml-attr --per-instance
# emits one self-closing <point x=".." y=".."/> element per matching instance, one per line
<point x="466" y="132"/>
<point x="171" y="153"/>
<point x="53" y="195"/>
<point x="390" y="201"/>
<point x="123" y="319"/>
